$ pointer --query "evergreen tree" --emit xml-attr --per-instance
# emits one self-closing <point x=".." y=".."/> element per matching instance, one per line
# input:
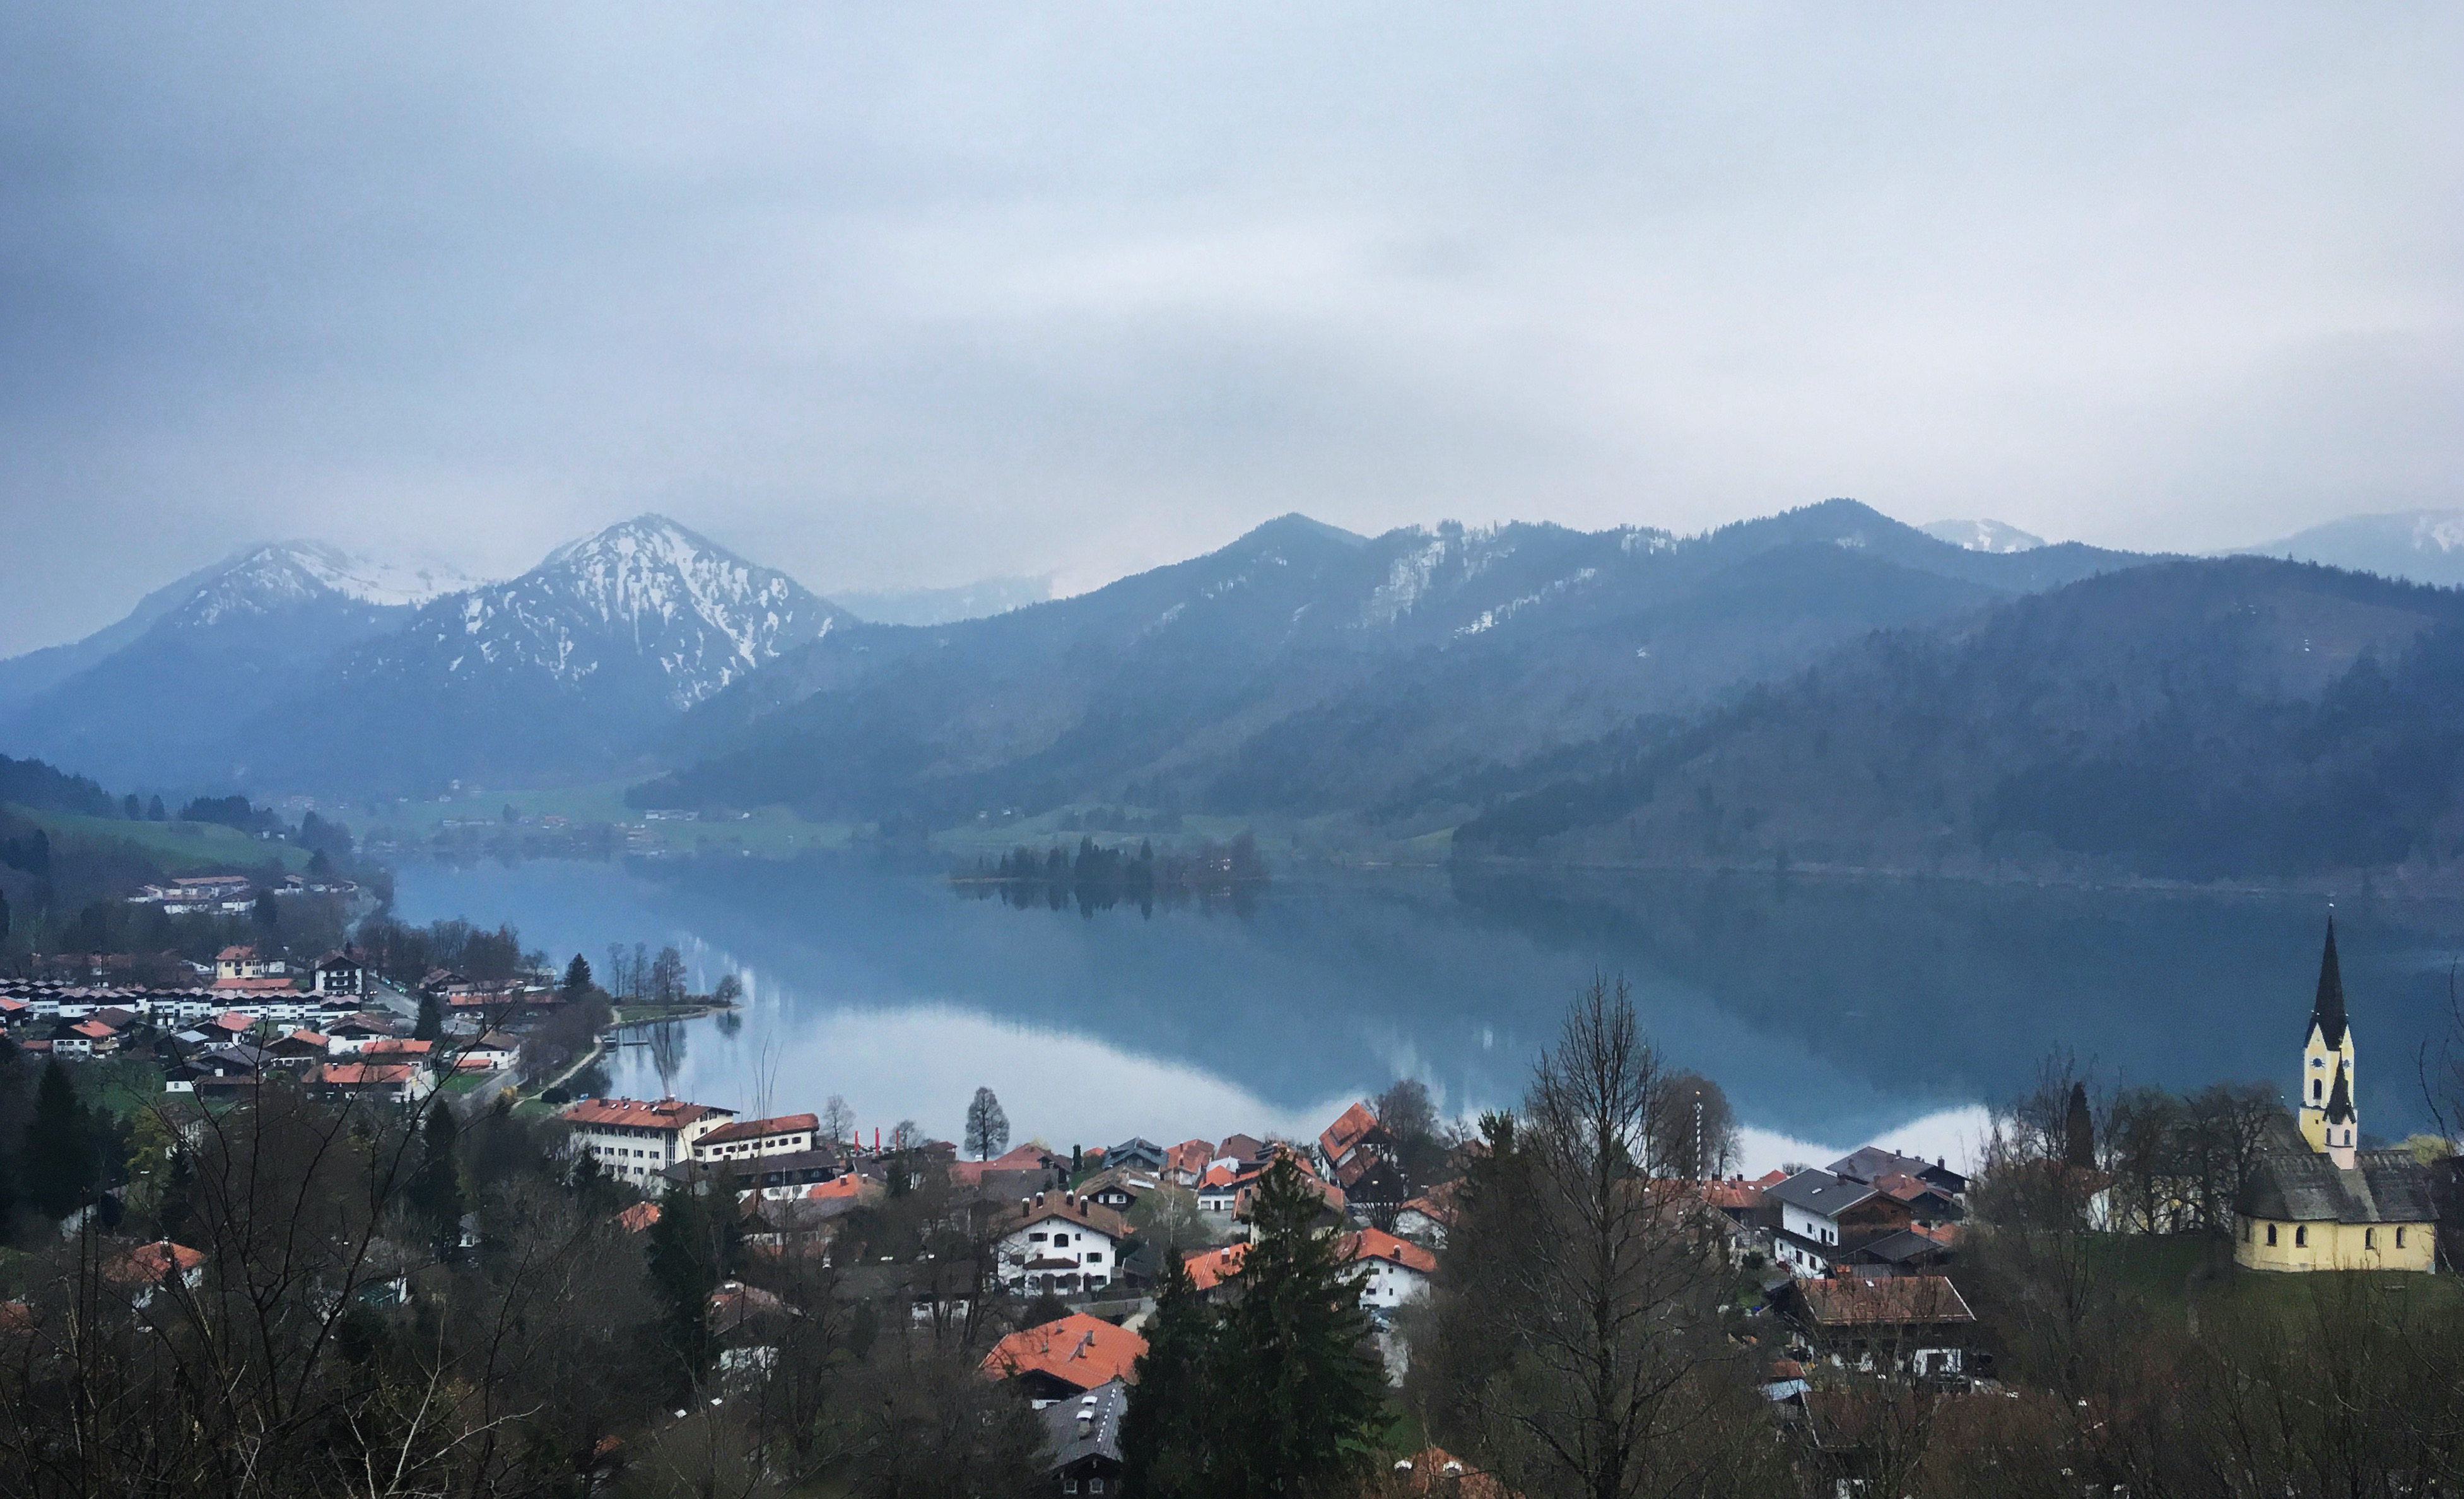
<point x="431" y="1020"/>
<point x="686" y="1264"/>
<point x="2078" y="1132"/>
<point x="60" y="1161"/>
<point x="436" y="1190"/>
<point x="1167" y="1433"/>
<point x="130" y="807"/>
<point x="154" y="812"/>
<point x="1304" y="1393"/>
<point x="576" y="980"/>
<point x="987" y="1125"/>
<point x="266" y="912"/>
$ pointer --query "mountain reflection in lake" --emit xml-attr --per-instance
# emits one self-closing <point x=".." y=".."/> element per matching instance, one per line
<point x="1832" y="1012"/>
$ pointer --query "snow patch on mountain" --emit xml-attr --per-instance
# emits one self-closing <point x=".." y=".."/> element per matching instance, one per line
<point x="1983" y="536"/>
<point x="285" y="575"/>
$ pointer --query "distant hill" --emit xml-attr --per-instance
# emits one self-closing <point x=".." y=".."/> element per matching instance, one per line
<point x="2206" y="720"/>
<point x="151" y="700"/>
<point x="2420" y="546"/>
<point x="1304" y="669"/>
<point x="1983" y="536"/>
<point x="943" y="605"/>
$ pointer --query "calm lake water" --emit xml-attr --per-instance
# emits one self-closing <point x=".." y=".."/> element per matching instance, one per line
<point x="1833" y="1013"/>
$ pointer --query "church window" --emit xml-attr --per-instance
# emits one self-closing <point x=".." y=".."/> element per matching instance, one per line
<point x="2271" y="1236"/>
<point x="2314" y="1089"/>
<point x="2399" y="1237"/>
<point x="2300" y="1236"/>
<point x="2370" y="1238"/>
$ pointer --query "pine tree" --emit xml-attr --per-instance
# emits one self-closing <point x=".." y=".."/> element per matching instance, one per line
<point x="436" y="1192"/>
<point x="266" y="912"/>
<point x="2078" y="1132"/>
<point x="431" y="1024"/>
<point x="1167" y="1434"/>
<point x="1303" y="1391"/>
<point x="61" y="1163"/>
<point x="576" y="980"/>
<point x="685" y="1267"/>
<point x="154" y="812"/>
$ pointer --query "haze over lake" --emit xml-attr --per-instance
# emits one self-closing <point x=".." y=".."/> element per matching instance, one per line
<point x="1832" y="1012"/>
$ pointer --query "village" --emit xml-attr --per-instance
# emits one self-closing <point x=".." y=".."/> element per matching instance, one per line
<point x="1835" y="1280"/>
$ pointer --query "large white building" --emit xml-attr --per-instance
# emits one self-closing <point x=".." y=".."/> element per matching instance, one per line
<point x="1062" y="1242"/>
<point x="635" y="1141"/>
<point x="750" y="1139"/>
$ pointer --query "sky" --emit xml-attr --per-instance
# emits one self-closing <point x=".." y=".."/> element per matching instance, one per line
<point x="911" y="295"/>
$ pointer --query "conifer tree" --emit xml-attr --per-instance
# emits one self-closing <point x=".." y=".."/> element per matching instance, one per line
<point x="576" y="980"/>
<point x="1167" y="1433"/>
<point x="59" y="1157"/>
<point x="987" y="1125"/>
<point x="431" y="1024"/>
<point x="1303" y="1390"/>
<point x="687" y="1259"/>
<point x="436" y="1190"/>
<point x="2078" y="1132"/>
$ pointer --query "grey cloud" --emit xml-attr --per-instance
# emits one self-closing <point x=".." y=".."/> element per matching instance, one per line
<point x="908" y="295"/>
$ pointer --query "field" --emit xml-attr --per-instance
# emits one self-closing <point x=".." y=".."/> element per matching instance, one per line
<point x="179" y="847"/>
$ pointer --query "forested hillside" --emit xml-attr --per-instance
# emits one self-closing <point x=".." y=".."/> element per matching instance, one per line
<point x="2210" y="719"/>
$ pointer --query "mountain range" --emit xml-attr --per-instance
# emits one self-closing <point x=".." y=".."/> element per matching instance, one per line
<point x="1824" y="686"/>
<point x="2418" y="546"/>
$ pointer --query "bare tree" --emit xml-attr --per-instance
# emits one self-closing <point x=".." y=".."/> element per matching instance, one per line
<point x="838" y="1119"/>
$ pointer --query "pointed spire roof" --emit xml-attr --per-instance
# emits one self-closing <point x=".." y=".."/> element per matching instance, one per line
<point x="2328" y="1013"/>
<point x="2340" y="1098"/>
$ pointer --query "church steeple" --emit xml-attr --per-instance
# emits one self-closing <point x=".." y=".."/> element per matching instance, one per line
<point x="2328" y="1122"/>
<point x="2327" y="1014"/>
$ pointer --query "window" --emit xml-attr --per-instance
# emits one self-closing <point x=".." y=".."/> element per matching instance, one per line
<point x="1095" y="1257"/>
<point x="2314" y="1089"/>
<point x="2271" y="1236"/>
<point x="2399" y="1237"/>
<point x="1094" y="1486"/>
<point x="1069" y="1485"/>
<point x="2301" y="1236"/>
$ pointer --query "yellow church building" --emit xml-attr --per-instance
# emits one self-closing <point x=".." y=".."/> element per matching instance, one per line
<point x="2328" y="1204"/>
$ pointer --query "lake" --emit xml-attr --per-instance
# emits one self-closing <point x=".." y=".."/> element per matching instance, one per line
<point x="1832" y="1012"/>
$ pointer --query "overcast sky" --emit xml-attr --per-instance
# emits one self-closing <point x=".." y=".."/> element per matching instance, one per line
<point x="910" y="294"/>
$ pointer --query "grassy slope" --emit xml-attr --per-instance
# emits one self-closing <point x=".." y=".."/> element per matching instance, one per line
<point x="179" y="847"/>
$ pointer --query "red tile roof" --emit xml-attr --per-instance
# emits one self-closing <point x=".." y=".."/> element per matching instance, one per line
<point x="1209" y="1269"/>
<point x="667" y="1113"/>
<point x="1848" y="1301"/>
<point x="1374" y="1244"/>
<point x="1079" y="1350"/>
<point x="638" y="1216"/>
<point x="397" y="1046"/>
<point x="152" y="1263"/>
<point x="1189" y="1156"/>
<point x="757" y="1128"/>
<point x="364" y="1075"/>
<point x="1346" y="1131"/>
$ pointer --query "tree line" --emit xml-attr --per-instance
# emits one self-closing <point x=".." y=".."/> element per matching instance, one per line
<point x="1098" y="878"/>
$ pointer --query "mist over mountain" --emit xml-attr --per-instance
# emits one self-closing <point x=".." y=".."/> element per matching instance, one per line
<point x="2222" y="719"/>
<point x="2420" y="546"/>
<point x="943" y="605"/>
<point x="150" y="699"/>
<point x="1982" y="536"/>
<point x="1304" y="669"/>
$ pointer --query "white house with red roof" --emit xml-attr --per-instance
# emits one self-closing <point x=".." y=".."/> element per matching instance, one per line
<point x="748" y="1140"/>
<point x="1059" y="1241"/>
<point x="635" y="1141"/>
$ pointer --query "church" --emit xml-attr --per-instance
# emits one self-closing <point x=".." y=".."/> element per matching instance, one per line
<point x="2323" y="1203"/>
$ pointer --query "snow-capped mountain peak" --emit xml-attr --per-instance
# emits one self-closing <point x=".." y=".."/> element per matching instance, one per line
<point x="1983" y="536"/>
<point x="644" y="595"/>
<point x="279" y="576"/>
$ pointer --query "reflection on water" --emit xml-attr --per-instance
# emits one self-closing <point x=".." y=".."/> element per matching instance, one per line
<point x="1832" y="1012"/>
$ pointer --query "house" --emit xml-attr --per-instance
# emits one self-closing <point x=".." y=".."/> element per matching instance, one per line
<point x="159" y="1266"/>
<point x="635" y="1141"/>
<point x="238" y="964"/>
<point x="1023" y="1170"/>
<point x="229" y="1025"/>
<point x="1426" y="1218"/>
<point x="1371" y="1183"/>
<point x="1187" y="1161"/>
<point x="1065" y="1360"/>
<point x="340" y="972"/>
<point x="2321" y="1202"/>
<point x="1873" y="1162"/>
<point x="1241" y="1149"/>
<point x="490" y="1052"/>
<point x="83" y="1038"/>
<point x="348" y="1035"/>
<point x="1353" y="1130"/>
<point x="1926" y="1203"/>
<point x="1214" y="1266"/>
<point x="1136" y="1151"/>
<point x="1398" y="1270"/>
<point x="1085" y="1439"/>
<point x="1910" y="1252"/>
<point x="1918" y="1323"/>
<point x="1824" y="1215"/>
<point x="1060" y="1243"/>
<point x="746" y="1140"/>
<point x="1219" y="1189"/>
<point x="398" y="1083"/>
<point x="1119" y="1188"/>
<point x="223" y="1070"/>
<point x="298" y="1050"/>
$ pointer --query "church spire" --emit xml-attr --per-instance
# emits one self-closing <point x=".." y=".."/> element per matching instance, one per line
<point x="2328" y="1013"/>
<point x="2340" y="1099"/>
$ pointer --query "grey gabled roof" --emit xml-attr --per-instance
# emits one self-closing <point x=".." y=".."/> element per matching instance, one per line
<point x="1075" y="1441"/>
<point x="1821" y="1192"/>
<point x="2385" y="1186"/>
